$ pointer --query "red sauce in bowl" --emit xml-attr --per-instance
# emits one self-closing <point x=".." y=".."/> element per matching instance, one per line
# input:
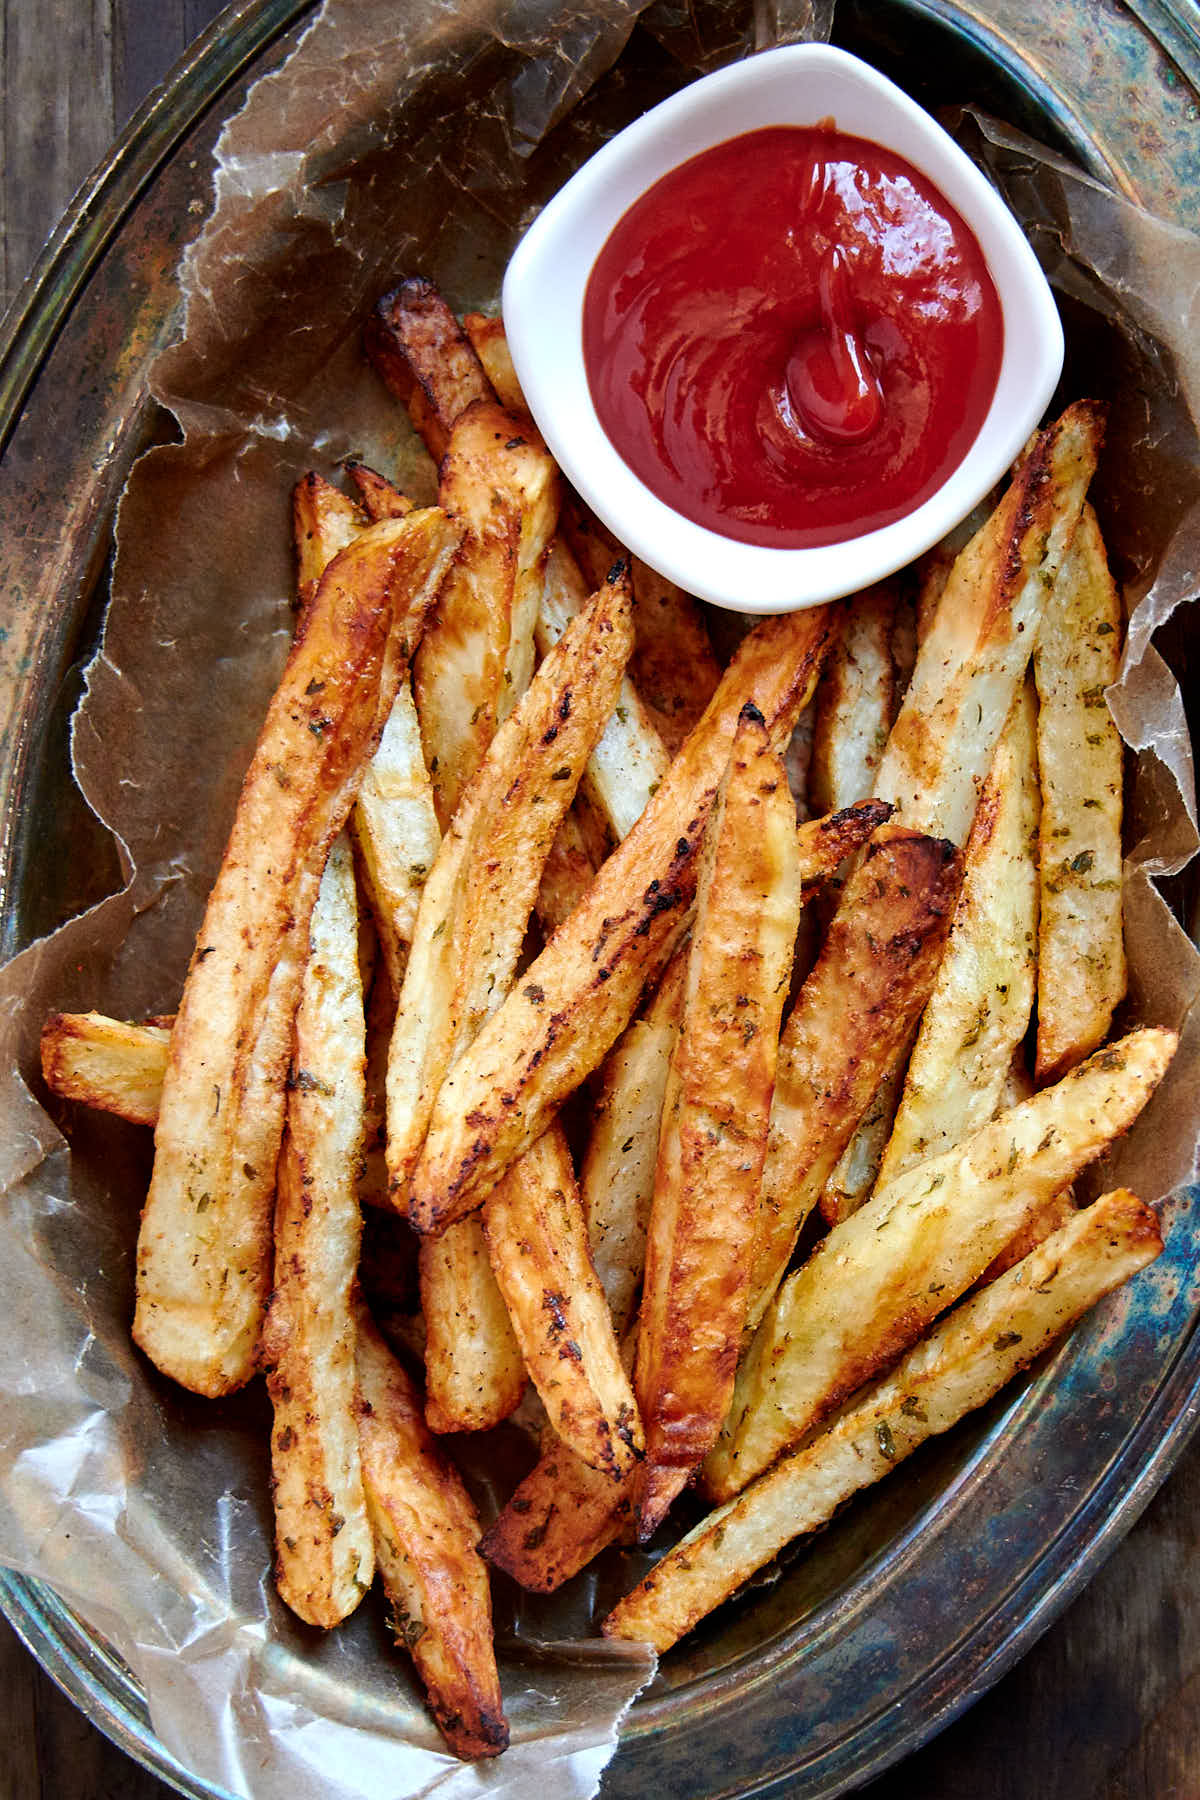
<point x="793" y="338"/>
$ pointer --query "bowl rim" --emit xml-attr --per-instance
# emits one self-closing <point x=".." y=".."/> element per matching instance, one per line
<point x="543" y="305"/>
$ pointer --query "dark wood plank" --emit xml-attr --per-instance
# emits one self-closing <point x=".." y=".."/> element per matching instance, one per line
<point x="58" y="118"/>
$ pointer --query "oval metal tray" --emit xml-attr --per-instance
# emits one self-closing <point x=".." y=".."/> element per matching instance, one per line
<point x="931" y="1587"/>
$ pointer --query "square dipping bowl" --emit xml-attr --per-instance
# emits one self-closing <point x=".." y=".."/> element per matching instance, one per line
<point x="544" y="289"/>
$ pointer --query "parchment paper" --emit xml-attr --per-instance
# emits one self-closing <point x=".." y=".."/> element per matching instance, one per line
<point x="397" y="140"/>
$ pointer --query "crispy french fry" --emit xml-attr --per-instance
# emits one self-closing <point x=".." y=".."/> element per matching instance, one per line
<point x="324" y="521"/>
<point x="491" y="347"/>
<point x="567" y="875"/>
<point x="476" y="903"/>
<point x="857" y="1169"/>
<point x="473" y="1369"/>
<point x="476" y="659"/>
<point x="673" y="668"/>
<point x="630" y="759"/>
<point x="577" y="997"/>
<point x="561" y="1516"/>
<point x="110" y="1064"/>
<point x="617" y="1180"/>
<point x="534" y="1224"/>
<point x="853" y="1013"/>
<point x="854" y="705"/>
<point x="979" y="1009"/>
<point x="715" y="1115"/>
<point x="324" y="1557"/>
<point x="972" y="662"/>
<point x="378" y="497"/>
<point x="961" y="1365"/>
<point x="425" y="1532"/>
<point x="394" y="823"/>
<point x="882" y="1275"/>
<point x="204" y="1245"/>
<point x="416" y="344"/>
<point x="1081" y="950"/>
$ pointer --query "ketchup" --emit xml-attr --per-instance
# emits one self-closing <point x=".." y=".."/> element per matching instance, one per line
<point x="793" y="338"/>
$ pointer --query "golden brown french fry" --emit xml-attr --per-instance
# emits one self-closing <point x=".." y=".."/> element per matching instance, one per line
<point x="476" y="659"/>
<point x="674" y="668"/>
<point x="567" y="875"/>
<point x="617" y="1179"/>
<point x="630" y="759"/>
<point x="476" y="903"/>
<point x="979" y="1008"/>
<point x="324" y="521"/>
<point x="324" y="1557"/>
<point x="394" y="824"/>
<point x="852" y="1015"/>
<point x="474" y="1373"/>
<point x="972" y="662"/>
<point x="715" y="1114"/>
<point x="204" y="1247"/>
<point x="110" y="1064"/>
<point x="580" y="993"/>
<point x="491" y="347"/>
<point x="964" y="1361"/>
<point x="425" y="1532"/>
<point x="561" y="1516"/>
<point x="418" y="347"/>
<point x="857" y="1169"/>
<point x="1081" y="949"/>
<point x="854" y="705"/>
<point x="537" y="1237"/>
<point x="882" y="1275"/>
<point x="378" y="497"/>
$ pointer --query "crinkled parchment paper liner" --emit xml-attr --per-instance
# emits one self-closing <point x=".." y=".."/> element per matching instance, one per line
<point x="361" y="158"/>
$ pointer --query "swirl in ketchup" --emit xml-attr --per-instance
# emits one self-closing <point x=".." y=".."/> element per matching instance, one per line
<point x="793" y="338"/>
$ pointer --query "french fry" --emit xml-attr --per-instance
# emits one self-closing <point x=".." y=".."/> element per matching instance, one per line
<point x="476" y="903"/>
<point x="490" y="345"/>
<point x="854" y="705"/>
<point x="476" y="659"/>
<point x="324" y="1556"/>
<point x="396" y="831"/>
<point x="473" y="1368"/>
<point x="394" y="823"/>
<point x="106" y="1063"/>
<point x="857" y="1169"/>
<point x="617" y="1179"/>
<point x="324" y="522"/>
<point x="630" y="759"/>
<point x="972" y="662"/>
<point x="378" y="497"/>
<point x="673" y="666"/>
<point x="1081" y="950"/>
<point x="964" y="1361"/>
<point x="425" y="1532"/>
<point x="577" y="997"/>
<point x="979" y="1008"/>
<point x="561" y="1516"/>
<point x="567" y="875"/>
<point x="853" y="1013"/>
<point x="417" y="346"/>
<point x="204" y="1246"/>
<point x="537" y="1237"/>
<point x="882" y="1275"/>
<point x="716" y="1112"/>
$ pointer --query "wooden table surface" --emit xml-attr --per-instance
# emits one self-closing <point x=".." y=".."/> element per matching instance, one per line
<point x="1107" y="1705"/>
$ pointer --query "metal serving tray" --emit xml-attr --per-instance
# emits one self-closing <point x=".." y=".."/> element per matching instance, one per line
<point x="928" y="1589"/>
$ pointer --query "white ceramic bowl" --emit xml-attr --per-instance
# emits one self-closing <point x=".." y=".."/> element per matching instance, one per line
<point x="544" y="288"/>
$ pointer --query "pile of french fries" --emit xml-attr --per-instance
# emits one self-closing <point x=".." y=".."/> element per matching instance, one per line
<point x="511" y="836"/>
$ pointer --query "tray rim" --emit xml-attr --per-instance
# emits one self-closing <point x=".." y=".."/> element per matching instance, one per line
<point x="28" y="331"/>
